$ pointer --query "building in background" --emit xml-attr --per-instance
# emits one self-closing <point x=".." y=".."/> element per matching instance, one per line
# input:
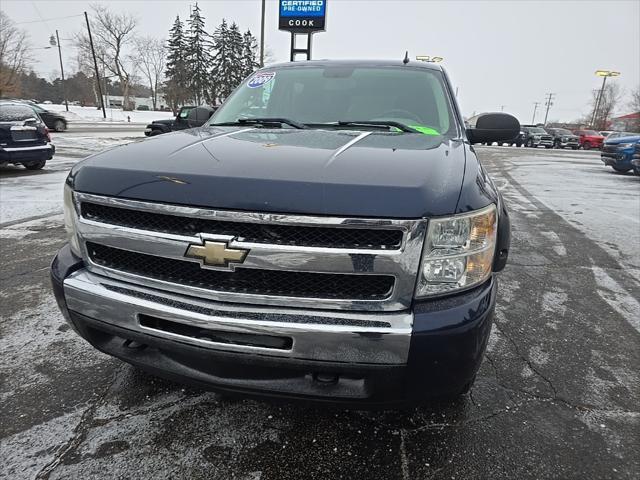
<point x="115" y="101"/>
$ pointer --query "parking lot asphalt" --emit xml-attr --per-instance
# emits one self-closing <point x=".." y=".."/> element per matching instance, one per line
<point x="557" y="397"/>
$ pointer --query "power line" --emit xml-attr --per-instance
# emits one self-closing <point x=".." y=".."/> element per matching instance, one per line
<point x="45" y="20"/>
<point x="33" y="4"/>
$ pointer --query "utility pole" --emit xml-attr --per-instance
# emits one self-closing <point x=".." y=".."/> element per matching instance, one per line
<point x="64" y="96"/>
<point x="548" y="103"/>
<point x="262" y="35"/>
<point x="535" y="109"/>
<point x="502" y="108"/>
<point x="95" y="64"/>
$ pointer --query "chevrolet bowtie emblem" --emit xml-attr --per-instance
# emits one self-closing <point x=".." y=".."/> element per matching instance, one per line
<point x="216" y="254"/>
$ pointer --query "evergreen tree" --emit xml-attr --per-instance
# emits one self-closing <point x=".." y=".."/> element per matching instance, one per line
<point x="176" y="85"/>
<point x="235" y="41"/>
<point x="228" y="68"/>
<point x="249" y="56"/>
<point x="198" y="57"/>
<point x="222" y="70"/>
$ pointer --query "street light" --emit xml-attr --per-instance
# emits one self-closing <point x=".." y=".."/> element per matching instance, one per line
<point x="604" y="74"/>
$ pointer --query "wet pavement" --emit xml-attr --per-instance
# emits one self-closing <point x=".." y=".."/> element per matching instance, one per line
<point x="558" y="395"/>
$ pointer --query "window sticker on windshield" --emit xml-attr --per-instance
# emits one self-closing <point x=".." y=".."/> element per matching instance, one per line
<point x="260" y="79"/>
<point x="425" y="130"/>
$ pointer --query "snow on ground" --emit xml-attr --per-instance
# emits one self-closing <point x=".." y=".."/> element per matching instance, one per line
<point x="92" y="114"/>
<point x="33" y="195"/>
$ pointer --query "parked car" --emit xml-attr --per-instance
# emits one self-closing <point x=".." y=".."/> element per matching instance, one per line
<point x="618" y="153"/>
<point x="339" y="246"/>
<point x="589" y="139"/>
<point x="53" y="121"/>
<point x="613" y="135"/>
<point x="143" y="108"/>
<point x="563" y="138"/>
<point x="24" y="138"/>
<point x="535" y="136"/>
<point x="187" y="117"/>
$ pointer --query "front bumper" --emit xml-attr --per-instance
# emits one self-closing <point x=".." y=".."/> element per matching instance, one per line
<point x="542" y="143"/>
<point x="432" y="350"/>
<point x="621" y="158"/>
<point x="27" y="154"/>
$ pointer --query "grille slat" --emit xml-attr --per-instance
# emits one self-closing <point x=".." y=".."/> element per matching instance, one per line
<point x="244" y="280"/>
<point x="328" y="237"/>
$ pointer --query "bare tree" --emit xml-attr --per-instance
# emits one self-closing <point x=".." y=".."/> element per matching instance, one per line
<point x="151" y="59"/>
<point x="113" y="35"/>
<point x="14" y="55"/>
<point x="609" y="99"/>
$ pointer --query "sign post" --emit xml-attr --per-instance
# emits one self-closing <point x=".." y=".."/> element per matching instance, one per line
<point x="302" y="17"/>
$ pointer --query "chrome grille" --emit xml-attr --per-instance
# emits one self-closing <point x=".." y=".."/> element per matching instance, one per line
<point x="372" y="266"/>
<point x="360" y="238"/>
<point x="243" y="280"/>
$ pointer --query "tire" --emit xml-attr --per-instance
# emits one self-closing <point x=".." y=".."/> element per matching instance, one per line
<point x="153" y="133"/>
<point x="548" y="146"/>
<point x="38" y="165"/>
<point x="557" y="145"/>
<point x="529" y="144"/>
<point x="575" y="148"/>
<point x="621" y="169"/>
<point x="518" y="144"/>
<point x="59" y="125"/>
<point x="586" y="146"/>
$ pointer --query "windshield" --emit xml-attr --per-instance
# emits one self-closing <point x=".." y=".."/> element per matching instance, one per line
<point x="590" y="132"/>
<point x="563" y="131"/>
<point x="537" y="130"/>
<point x="320" y="95"/>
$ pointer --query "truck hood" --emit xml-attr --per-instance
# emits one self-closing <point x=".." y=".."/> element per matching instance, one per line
<point x="619" y="140"/>
<point x="325" y="172"/>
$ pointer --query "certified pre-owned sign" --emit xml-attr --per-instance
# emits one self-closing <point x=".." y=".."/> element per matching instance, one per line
<point x="302" y="15"/>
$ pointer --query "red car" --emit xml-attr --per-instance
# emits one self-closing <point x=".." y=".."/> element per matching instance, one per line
<point x="589" y="139"/>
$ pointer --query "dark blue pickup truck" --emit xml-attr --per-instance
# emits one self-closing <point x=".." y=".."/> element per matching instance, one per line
<point x="622" y="153"/>
<point x="329" y="235"/>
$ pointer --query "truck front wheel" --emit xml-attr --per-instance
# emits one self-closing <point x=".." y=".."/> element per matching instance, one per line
<point x="153" y="133"/>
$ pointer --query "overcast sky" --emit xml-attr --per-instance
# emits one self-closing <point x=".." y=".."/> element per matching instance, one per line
<point x="497" y="53"/>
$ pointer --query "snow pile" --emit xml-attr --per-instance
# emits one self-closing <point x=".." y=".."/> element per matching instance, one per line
<point x="92" y="114"/>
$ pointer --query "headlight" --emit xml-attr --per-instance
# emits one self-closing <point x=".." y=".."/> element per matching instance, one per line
<point x="70" y="218"/>
<point x="458" y="252"/>
<point x="564" y="139"/>
<point x="626" y="145"/>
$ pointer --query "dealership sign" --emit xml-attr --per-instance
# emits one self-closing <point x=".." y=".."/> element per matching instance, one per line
<point x="303" y="16"/>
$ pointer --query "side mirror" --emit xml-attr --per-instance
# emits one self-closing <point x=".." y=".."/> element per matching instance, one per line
<point x="198" y="116"/>
<point x="492" y="127"/>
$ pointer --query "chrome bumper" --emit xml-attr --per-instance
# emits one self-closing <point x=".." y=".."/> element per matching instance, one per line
<point x="376" y="338"/>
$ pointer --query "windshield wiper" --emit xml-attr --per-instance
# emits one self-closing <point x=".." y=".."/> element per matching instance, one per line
<point x="262" y="121"/>
<point x="379" y="123"/>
